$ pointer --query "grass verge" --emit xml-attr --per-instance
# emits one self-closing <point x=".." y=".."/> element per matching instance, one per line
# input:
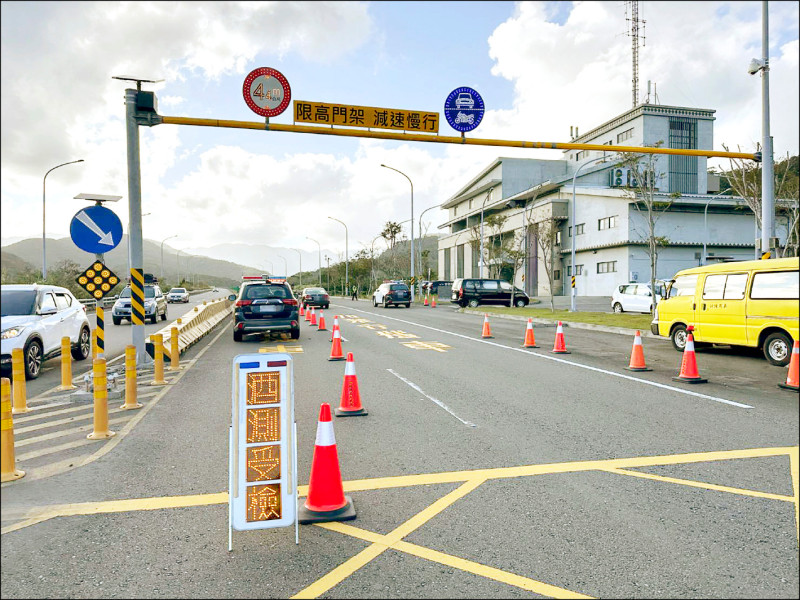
<point x="626" y="320"/>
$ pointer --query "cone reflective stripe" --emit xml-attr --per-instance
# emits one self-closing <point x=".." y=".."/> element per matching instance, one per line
<point x="336" y="346"/>
<point x="326" y="500"/>
<point x="530" y="340"/>
<point x="689" y="372"/>
<point x="793" y="377"/>
<point x="560" y="347"/>
<point x="335" y="325"/>
<point x="350" y="405"/>
<point x="637" y="355"/>
<point x="487" y="331"/>
<point x="313" y="316"/>
<point x="321" y="321"/>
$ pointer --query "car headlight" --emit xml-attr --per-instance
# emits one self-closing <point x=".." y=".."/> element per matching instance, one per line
<point x="150" y="304"/>
<point x="12" y="332"/>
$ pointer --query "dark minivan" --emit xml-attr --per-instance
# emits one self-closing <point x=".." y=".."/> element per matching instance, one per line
<point x="474" y="292"/>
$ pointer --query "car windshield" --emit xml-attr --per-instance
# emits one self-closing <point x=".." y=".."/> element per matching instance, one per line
<point x="260" y="292"/>
<point x="18" y="302"/>
<point x="315" y="291"/>
<point x="177" y="291"/>
<point x="400" y="286"/>
<point x="149" y="292"/>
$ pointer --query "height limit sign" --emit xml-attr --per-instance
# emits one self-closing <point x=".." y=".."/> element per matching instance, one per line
<point x="266" y="92"/>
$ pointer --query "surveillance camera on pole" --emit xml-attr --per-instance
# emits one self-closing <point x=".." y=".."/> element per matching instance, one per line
<point x="756" y="65"/>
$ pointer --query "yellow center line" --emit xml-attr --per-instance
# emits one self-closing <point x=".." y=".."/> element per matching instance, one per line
<point x="351" y="565"/>
<point x="700" y="484"/>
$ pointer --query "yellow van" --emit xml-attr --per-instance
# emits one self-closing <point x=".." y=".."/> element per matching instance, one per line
<point x="751" y="303"/>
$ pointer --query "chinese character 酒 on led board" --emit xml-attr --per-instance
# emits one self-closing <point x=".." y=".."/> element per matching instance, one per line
<point x="264" y="388"/>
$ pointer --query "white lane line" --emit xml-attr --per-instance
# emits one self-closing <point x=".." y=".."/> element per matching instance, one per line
<point x="566" y="362"/>
<point x="431" y="398"/>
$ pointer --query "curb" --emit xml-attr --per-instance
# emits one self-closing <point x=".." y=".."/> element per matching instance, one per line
<point x="553" y="323"/>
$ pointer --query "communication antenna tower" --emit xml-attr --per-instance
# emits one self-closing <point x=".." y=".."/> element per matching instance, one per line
<point x="634" y="21"/>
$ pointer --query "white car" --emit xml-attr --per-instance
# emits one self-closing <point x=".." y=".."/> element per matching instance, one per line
<point x="178" y="295"/>
<point x="636" y="297"/>
<point x="34" y="318"/>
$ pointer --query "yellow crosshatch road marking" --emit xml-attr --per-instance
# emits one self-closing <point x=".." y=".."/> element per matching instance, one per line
<point x="293" y="349"/>
<point x="397" y="333"/>
<point x="437" y="346"/>
<point x="470" y="480"/>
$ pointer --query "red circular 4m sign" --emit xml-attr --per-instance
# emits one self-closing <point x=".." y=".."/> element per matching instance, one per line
<point x="266" y="92"/>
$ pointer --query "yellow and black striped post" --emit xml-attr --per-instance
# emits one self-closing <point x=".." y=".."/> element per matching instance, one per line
<point x="101" y="328"/>
<point x="18" y="377"/>
<point x="573" y="281"/>
<point x="130" y="379"/>
<point x="137" y="296"/>
<point x="101" y="431"/>
<point x="158" y="356"/>
<point x="66" y="365"/>
<point x="7" y="456"/>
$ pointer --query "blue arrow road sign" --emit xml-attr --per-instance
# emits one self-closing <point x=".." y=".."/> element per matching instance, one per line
<point x="464" y="109"/>
<point x="96" y="229"/>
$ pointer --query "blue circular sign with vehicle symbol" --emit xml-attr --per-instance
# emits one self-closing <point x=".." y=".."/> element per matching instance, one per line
<point x="463" y="109"/>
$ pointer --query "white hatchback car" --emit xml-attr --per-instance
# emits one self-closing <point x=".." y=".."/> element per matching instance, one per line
<point x="636" y="297"/>
<point x="178" y="295"/>
<point x="34" y="318"/>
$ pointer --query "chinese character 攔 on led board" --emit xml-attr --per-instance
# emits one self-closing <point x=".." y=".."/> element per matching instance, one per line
<point x="264" y="388"/>
<point x="263" y="425"/>
<point x="263" y="502"/>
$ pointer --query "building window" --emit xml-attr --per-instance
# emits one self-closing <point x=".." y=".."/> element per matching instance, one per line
<point x="558" y="238"/>
<point x="578" y="229"/>
<point x="578" y="270"/>
<point x="607" y="267"/>
<point x="557" y="275"/>
<point x="582" y="154"/>
<point x="474" y="254"/>
<point x="471" y="200"/>
<point x="460" y="261"/>
<point x="607" y="223"/>
<point x="625" y="135"/>
<point x="447" y="264"/>
<point x="683" y="169"/>
<point x="455" y="210"/>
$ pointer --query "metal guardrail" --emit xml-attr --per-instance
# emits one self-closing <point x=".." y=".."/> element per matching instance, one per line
<point x="89" y="303"/>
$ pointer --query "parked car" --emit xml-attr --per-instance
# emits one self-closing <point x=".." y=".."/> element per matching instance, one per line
<point x="474" y="292"/>
<point x="178" y="295"/>
<point x="265" y="306"/>
<point x="34" y="318"/>
<point x="392" y="293"/>
<point x="749" y="303"/>
<point x="636" y="297"/>
<point x="315" y="296"/>
<point x="155" y="305"/>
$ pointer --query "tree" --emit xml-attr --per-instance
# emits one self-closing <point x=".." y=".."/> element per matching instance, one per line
<point x="494" y="246"/>
<point x="546" y="234"/>
<point x="643" y="186"/>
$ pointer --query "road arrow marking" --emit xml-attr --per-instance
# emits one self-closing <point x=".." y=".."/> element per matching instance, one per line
<point x="105" y="238"/>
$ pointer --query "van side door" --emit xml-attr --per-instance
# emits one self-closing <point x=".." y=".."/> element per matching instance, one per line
<point x="682" y="303"/>
<point x="721" y="314"/>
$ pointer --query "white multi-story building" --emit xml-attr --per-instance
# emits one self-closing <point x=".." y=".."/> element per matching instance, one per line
<point x="610" y="226"/>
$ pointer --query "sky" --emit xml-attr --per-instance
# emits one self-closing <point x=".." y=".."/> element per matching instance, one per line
<point x="540" y="68"/>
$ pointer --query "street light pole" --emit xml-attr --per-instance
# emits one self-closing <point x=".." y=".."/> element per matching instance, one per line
<point x="319" y="250"/>
<point x="412" y="222"/>
<point x="346" y="258"/>
<point x="300" y="254"/>
<point x="285" y="267"/>
<point x="162" y="253"/>
<point x="44" y="249"/>
<point x="574" y="290"/>
<point x="767" y="170"/>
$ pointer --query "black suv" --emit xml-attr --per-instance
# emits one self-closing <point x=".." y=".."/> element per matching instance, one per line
<point x="473" y="292"/>
<point x="265" y="306"/>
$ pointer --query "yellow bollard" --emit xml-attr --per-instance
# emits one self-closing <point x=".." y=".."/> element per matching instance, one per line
<point x="158" y="351"/>
<point x="175" y="354"/>
<point x="18" y="376"/>
<point x="66" y="365"/>
<point x="179" y="321"/>
<point x="101" y="431"/>
<point x="94" y="344"/>
<point x="130" y="379"/>
<point x="8" y="460"/>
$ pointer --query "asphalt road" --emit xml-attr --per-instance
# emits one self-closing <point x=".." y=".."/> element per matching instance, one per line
<point x="525" y="474"/>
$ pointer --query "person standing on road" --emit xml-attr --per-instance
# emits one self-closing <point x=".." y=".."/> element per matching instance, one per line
<point x="355" y="293"/>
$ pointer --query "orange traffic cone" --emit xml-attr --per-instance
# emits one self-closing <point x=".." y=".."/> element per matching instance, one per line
<point x="326" y="500"/>
<point x="335" y="325"/>
<point x="560" y="347"/>
<point x="336" y="346"/>
<point x="530" y="340"/>
<point x="637" y="355"/>
<point x="321" y="321"/>
<point x="433" y="302"/>
<point x="350" y="405"/>
<point x="689" y="372"/>
<point x="308" y="315"/>
<point x="487" y="332"/>
<point x="793" y="377"/>
<point x="426" y="301"/>
<point x="313" y="316"/>
<point x="302" y="312"/>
